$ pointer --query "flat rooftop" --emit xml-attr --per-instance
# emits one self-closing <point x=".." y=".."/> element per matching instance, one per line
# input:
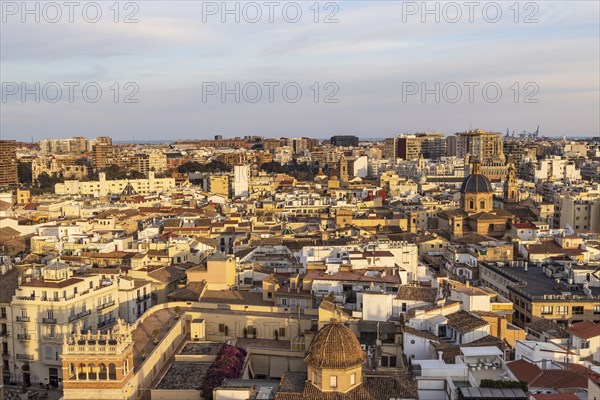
<point x="184" y="376"/>
<point x="234" y="297"/>
<point x="539" y="284"/>
<point x="263" y="344"/>
<point x="205" y="349"/>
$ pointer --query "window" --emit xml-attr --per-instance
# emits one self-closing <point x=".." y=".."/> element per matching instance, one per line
<point x="482" y="204"/>
<point x="578" y="310"/>
<point x="562" y="310"/>
<point x="353" y="379"/>
<point x="388" y="361"/>
<point x="222" y="328"/>
<point x="2" y="312"/>
<point x="585" y="344"/>
<point x="333" y="381"/>
<point x="284" y="302"/>
<point x="596" y="309"/>
<point x="546" y="310"/>
<point x="281" y="332"/>
<point x="315" y="378"/>
<point x="471" y="204"/>
<point x="403" y="307"/>
<point x="48" y="352"/>
<point x="269" y="295"/>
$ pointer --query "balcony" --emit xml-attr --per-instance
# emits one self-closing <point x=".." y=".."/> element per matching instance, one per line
<point x="49" y="321"/>
<point x="79" y="315"/>
<point x="27" y="357"/>
<point x="142" y="298"/>
<point x="105" y="305"/>
<point x="23" y="319"/>
<point x="23" y="336"/>
<point x="106" y="322"/>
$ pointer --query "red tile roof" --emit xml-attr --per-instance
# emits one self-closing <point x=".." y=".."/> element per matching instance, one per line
<point x="576" y="376"/>
<point x="585" y="329"/>
<point x="524" y="225"/>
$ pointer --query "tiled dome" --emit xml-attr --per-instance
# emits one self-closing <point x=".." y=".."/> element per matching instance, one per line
<point x="476" y="183"/>
<point x="334" y="346"/>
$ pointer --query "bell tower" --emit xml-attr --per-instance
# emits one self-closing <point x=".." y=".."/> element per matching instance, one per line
<point x="98" y="365"/>
<point x="511" y="190"/>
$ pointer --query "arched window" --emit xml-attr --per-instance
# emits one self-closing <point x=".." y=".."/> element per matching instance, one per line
<point x="82" y="371"/>
<point x="112" y="372"/>
<point x="103" y="372"/>
<point x="93" y="372"/>
<point x="71" y="370"/>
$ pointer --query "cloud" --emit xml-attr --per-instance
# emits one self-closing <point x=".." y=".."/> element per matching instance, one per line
<point x="370" y="52"/>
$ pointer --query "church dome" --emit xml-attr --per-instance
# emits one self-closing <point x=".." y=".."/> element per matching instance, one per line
<point x="334" y="346"/>
<point x="476" y="182"/>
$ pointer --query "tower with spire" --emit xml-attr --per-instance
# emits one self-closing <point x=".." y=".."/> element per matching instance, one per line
<point x="511" y="190"/>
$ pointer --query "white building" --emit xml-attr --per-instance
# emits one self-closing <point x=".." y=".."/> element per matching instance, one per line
<point x="537" y="352"/>
<point x="241" y="180"/>
<point x="48" y="307"/>
<point x="361" y="166"/>
<point x="103" y="187"/>
<point x="585" y="339"/>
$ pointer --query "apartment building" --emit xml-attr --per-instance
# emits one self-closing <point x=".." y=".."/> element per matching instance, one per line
<point x="485" y="146"/>
<point x="579" y="210"/>
<point x="430" y="145"/>
<point x="103" y="187"/>
<point x="8" y="163"/>
<point x="549" y="292"/>
<point x="103" y="155"/>
<point x="74" y="145"/>
<point x="50" y="307"/>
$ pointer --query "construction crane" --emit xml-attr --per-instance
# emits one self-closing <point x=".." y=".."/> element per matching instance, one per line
<point x="525" y="134"/>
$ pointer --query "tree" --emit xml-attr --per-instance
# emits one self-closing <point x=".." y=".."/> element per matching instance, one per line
<point x="114" y="172"/>
<point x="25" y="173"/>
<point x="195" y="166"/>
<point x="45" y="181"/>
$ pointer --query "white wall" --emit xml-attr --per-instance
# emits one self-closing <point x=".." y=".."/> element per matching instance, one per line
<point x="418" y="350"/>
<point x="241" y="180"/>
<point x="377" y="306"/>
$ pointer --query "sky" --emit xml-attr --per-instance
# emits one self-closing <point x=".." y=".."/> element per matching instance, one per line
<point x="157" y="70"/>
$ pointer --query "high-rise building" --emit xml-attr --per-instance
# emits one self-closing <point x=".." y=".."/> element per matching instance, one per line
<point x="344" y="141"/>
<point x="427" y="145"/>
<point x="103" y="155"/>
<point x="8" y="163"/>
<point x="390" y="148"/>
<point x="485" y="146"/>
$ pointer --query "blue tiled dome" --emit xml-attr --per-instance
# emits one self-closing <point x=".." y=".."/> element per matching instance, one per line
<point x="476" y="183"/>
